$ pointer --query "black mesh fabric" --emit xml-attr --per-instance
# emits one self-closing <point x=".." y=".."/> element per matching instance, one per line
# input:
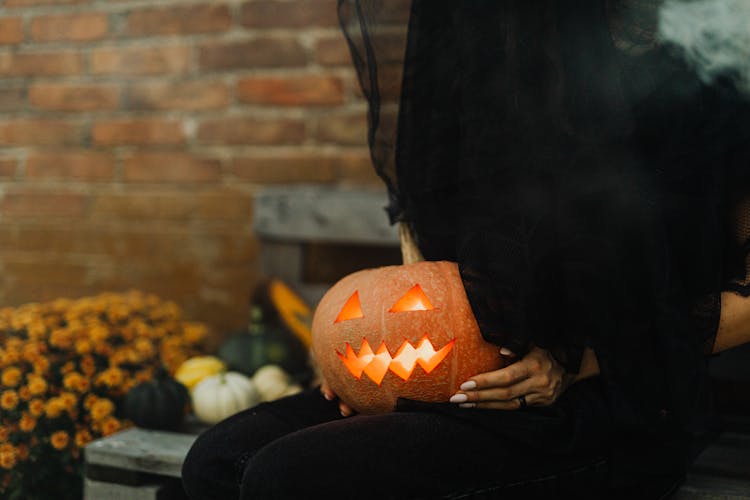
<point x="591" y="187"/>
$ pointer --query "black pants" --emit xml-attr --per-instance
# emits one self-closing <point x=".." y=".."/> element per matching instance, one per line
<point x="300" y="447"/>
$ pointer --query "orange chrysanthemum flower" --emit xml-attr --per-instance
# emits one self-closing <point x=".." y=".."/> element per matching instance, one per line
<point x="83" y="437"/>
<point x="111" y="377"/>
<point x="36" y="407"/>
<point x="54" y="408"/>
<point x="59" y="440"/>
<point x="7" y="460"/>
<point x="9" y="400"/>
<point x="101" y="408"/>
<point x="11" y="377"/>
<point x="37" y="385"/>
<point x="110" y="425"/>
<point x="27" y="423"/>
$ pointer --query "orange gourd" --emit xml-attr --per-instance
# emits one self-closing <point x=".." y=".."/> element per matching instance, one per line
<point x="400" y="331"/>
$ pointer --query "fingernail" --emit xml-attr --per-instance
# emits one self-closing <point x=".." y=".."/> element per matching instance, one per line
<point x="344" y="413"/>
<point x="467" y="386"/>
<point x="328" y="396"/>
<point x="467" y="405"/>
<point x="459" y="398"/>
<point x="506" y="352"/>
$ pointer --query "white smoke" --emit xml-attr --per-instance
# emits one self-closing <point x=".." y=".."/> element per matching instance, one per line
<point x="713" y="35"/>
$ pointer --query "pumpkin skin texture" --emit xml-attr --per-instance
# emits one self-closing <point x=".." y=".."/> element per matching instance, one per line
<point x="220" y="396"/>
<point x="395" y="314"/>
<point x="157" y="404"/>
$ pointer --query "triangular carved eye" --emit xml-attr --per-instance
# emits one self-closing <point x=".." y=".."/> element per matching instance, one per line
<point x="413" y="300"/>
<point x="351" y="310"/>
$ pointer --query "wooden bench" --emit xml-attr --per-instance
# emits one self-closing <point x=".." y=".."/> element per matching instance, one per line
<point x="295" y="226"/>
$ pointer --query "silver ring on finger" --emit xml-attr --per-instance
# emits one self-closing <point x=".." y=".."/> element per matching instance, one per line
<point x="522" y="401"/>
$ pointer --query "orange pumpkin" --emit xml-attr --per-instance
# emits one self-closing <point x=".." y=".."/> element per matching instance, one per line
<point x="399" y="331"/>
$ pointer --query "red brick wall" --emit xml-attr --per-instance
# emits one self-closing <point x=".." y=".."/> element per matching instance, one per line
<point x="133" y="134"/>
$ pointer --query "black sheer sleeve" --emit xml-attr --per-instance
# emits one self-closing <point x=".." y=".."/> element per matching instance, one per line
<point x="592" y="188"/>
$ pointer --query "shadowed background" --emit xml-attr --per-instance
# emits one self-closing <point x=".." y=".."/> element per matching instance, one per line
<point x="134" y="133"/>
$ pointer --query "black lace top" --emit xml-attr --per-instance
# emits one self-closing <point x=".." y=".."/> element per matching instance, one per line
<point x="591" y="187"/>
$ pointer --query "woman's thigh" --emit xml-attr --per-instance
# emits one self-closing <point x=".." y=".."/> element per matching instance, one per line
<point x="214" y="465"/>
<point x="398" y="455"/>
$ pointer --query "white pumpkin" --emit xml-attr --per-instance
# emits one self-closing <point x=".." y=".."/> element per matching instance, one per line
<point x="220" y="396"/>
<point x="271" y="382"/>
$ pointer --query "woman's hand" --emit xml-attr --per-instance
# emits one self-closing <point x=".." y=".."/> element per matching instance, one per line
<point x="328" y="393"/>
<point x="537" y="377"/>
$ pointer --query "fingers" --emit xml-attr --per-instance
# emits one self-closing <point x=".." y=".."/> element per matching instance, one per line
<point x="328" y="393"/>
<point x="504" y="377"/>
<point x="495" y="394"/>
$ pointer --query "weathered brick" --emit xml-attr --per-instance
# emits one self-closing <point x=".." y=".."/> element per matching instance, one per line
<point x="25" y="132"/>
<point x="141" y="205"/>
<point x="179" y="20"/>
<point x="40" y="63"/>
<point x="8" y="167"/>
<point x="285" y="168"/>
<point x="170" y="167"/>
<point x="29" y="201"/>
<point x="12" y="99"/>
<point x="138" y="131"/>
<point x="11" y="30"/>
<point x="293" y="14"/>
<point x="192" y="96"/>
<point x="83" y="27"/>
<point x="31" y="3"/>
<point x="348" y="129"/>
<point x="225" y="204"/>
<point x="70" y="165"/>
<point x="140" y="61"/>
<point x="332" y="51"/>
<point x="251" y="131"/>
<point x="258" y="53"/>
<point x="47" y="269"/>
<point x="71" y="97"/>
<point x="300" y="90"/>
<point x="356" y="168"/>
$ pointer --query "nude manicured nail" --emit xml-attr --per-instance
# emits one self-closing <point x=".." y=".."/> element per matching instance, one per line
<point x="467" y="405"/>
<point x="506" y="352"/>
<point x="459" y="398"/>
<point x="467" y="386"/>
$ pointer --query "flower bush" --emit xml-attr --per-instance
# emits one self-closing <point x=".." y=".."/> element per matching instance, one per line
<point x="65" y="367"/>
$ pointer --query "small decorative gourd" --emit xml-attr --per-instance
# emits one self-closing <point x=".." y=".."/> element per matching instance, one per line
<point x="158" y="403"/>
<point x="272" y="382"/>
<point x="261" y="344"/>
<point x="196" y="369"/>
<point x="220" y="396"/>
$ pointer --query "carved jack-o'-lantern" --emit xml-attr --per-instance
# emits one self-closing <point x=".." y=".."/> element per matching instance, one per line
<point x="399" y="331"/>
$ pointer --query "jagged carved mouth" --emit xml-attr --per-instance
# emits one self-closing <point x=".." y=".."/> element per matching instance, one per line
<point x="376" y="364"/>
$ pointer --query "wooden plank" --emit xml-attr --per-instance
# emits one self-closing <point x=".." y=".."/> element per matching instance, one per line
<point x="323" y="213"/>
<point x="154" y="452"/>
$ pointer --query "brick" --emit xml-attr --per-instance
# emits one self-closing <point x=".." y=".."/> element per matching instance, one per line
<point x="24" y="132"/>
<point x="251" y="131"/>
<point x="348" y="129"/>
<point x="356" y="168"/>
<point x="31" y="202"/>
<point x="70" y="97"/>
<point x="140" y="205"/>
<point x="225" y="204"/>
<point x="84" y="27"/>
<point x="179" y="20"/>
<point x="191" y="96"/>
<point x="293" y="14"/>
<point x="138" y="131"/>
<point x="70" y="165"/>
<point x="8" y="167"/>
<point x="12" y="99"/>
<point x="301" y="90"/>
<point x="258" y="53"/>
<point x="140" y="61"/>
<point x="332" y="51"/>
<point x="288" y="168"/>
<point x="11" y="30"/>
<point x="40" y="63"/>
<point x="170" y="167"/>
<point x="32" y="3"/>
